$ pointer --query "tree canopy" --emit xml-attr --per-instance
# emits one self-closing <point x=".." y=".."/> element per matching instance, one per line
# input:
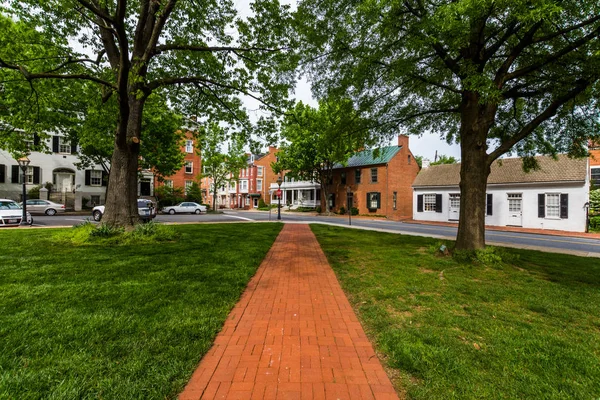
<point x="222" y="168"/>
<point x="495" y="76"/>
<point x="201" y="54"/>
<point x="318" y="139"/>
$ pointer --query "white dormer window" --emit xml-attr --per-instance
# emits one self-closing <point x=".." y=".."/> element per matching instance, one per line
<point x="189" y="146"/>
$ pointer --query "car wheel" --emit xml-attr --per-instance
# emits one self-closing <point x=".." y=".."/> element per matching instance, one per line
<point x="197" y="211"/>
<point x="97" y="215"/>
<point x="50" y="211"/>
<point x="171" y="211"/>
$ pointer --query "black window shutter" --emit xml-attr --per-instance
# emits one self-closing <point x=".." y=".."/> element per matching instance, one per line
<point x="438" y="203"/>
<point x="88" y="177"/>
<point x="55" y="144"/>
<point x="564" y="206"/>
<point x="104" y="179"/>
<point x="36" y="139"/>
<point x="73" y="146"/>
<point x="15" y="173"/>
<point x="489" y="205"/>
<point x="2" y="173"/>
<point x="36" y="175"/>
<point x="541" y="205"/>
<point x="419" y="203"/>
<point x="378" y="200"/>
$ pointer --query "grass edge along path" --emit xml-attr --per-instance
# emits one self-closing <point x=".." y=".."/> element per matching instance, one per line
<point x="526" y="329"/>
<point x="118" y="321"/>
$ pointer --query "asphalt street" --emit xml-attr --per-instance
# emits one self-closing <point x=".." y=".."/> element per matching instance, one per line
<point x="549" y="243"/>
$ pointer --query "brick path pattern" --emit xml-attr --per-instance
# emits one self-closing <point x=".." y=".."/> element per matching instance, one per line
<point x="293" y="335"/>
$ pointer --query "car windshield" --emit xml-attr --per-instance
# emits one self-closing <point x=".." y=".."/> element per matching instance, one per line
<point x="9" y="205"/>
<point x="144" y="204"/>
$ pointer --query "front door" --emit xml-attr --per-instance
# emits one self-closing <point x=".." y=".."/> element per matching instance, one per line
<point x="515" y="209"/>
<point x="145" y="187"/>
<point x="454" y="207"/>
<point x="64" y="182"/>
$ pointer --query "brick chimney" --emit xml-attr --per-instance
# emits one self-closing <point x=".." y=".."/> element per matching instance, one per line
<point x="403" y="141"/>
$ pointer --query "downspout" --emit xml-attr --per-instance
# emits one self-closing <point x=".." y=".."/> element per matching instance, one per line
<point x="387" y="189"/>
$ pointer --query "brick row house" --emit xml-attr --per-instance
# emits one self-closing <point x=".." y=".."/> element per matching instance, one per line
<point x="595" y="164"/>
<point x="191" y="170"/>
<point x="379" y="180"/>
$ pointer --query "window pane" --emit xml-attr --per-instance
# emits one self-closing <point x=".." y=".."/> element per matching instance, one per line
<point x="553" y="205"/>
<point x="373" y="175"/>
<point x="429" y="202"/>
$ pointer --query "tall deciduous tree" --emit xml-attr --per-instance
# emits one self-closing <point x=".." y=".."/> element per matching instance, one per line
<point x="222" y="168"/>
<point x="198" y="50"/>
<point x="318" y="139"/>
<point x="494" y="75"/>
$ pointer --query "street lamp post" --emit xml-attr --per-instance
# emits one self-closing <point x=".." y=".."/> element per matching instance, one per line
<point x="24" y="163"/>
<point x="349" y="204"/>
<point x="279" y="181"/>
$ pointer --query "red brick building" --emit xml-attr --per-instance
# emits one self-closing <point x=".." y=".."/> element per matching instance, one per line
<point x="192" y="167"/>
<point x="380" y="182"/>
<point x="265" y="177"/>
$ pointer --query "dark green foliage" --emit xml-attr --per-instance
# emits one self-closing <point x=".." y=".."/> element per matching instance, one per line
<point x="354" y="211"/>
<point x="318" y="209"/>
<point x="595" y="223"/>
<point x="261" y="203"/>
<point x="194" y="193"/>
<point x="342" y="210"/>
<point x="130" y="321"/>
<point x="169" y="196"/>
<point x="522" y="330"/>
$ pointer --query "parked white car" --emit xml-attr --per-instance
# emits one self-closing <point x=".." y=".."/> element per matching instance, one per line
<point x="11" y="213"/>
<point x="146" y="209"/>
<point x="185" y="207"/>
<point x="37" y="206"/>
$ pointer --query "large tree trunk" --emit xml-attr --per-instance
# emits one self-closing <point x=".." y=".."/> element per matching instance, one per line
<point x="476" y="120"/>
<point x="121" y="198"/>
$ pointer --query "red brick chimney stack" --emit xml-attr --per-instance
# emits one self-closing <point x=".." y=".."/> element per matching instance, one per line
<point x="403" y="141"/>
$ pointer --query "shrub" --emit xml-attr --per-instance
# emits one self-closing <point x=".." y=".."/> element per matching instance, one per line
<point x="105" y="230"/>
<point x="354" y="211"/>
<point x="168" y="196"/>
<point x="194" y="193"/>
<point x="490" y="256"/>
<point x="34" y="192"/>
<point x="261" y="203"/>
<point x="595" y="223"/>
<point x="318" y="209"/>
<point x="87" y="234"/>
<point x="342" y="210"/>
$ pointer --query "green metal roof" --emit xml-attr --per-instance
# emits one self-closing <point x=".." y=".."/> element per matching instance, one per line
<point x="371" y="157"/>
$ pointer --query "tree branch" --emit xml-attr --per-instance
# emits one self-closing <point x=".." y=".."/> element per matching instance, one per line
<point x="96" y="10"/>
<point x="537" y="121"/>
<point x="553" y="57"/>
<point x="201" y="79"/>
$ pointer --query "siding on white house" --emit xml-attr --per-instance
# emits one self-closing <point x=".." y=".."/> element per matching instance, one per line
<point x="578" y="195"/>
<point x="564" y="180"/>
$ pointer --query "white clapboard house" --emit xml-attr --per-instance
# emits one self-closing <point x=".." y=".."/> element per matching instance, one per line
<point x="552" y="197"/>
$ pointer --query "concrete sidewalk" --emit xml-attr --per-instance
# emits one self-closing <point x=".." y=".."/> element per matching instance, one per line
<point x="292" y="335"/>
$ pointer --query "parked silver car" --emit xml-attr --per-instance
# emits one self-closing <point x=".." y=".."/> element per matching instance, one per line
<point x="11" y="213"/>
<point x="37" y="206"/>
<point x="185" y="207"/>
<point x="146" y="209"/>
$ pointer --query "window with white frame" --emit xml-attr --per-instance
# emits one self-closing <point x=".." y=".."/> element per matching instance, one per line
<point x="95" y="178"/>
<point x="189" y="146"/>
<point x="429" y="202"/>
<point x="64" y="145"/>
<point x="29" y="175"/>
<point x="244" y="185"/>
<point x="259" y="184"/>
<point x="188" y="185"/>
<point x="552" y="205"/>
<point x="247" y="201"/>
<point x="373" y="175"/>
<point x="259" y="171"/>
<point x="189" y="167"/>
<point x="168" y="183"/>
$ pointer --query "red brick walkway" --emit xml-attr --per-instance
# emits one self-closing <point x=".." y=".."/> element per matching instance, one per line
<point x="293" y="335"/>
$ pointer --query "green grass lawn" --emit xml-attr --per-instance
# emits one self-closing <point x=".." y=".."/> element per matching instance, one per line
<point x="528" y="330"/>
<point x="117" y="322"/>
